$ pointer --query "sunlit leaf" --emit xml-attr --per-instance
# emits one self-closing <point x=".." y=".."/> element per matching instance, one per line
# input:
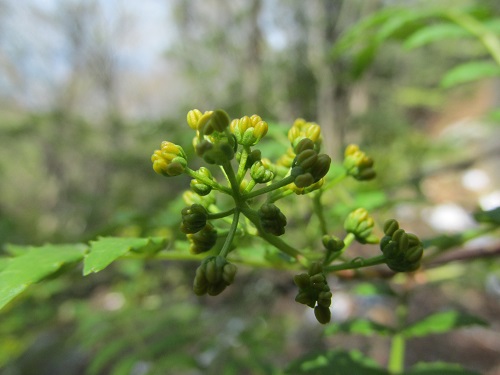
<point x="373" y="289"/>
<point x="359" y="326"/>
<point x="439" y="368"/>
<point x="469" y="72"/>
<point x="442" y="322"/>
<point x="106" y="250"/>
<point x="336" y="362"/>
<point x="34" y="265"/>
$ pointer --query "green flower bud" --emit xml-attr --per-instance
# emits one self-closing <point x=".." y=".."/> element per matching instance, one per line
<point x="302" y="280"/>
<point x="191" y="198"/>
<point x="213" y="276"/>
<point x="332" y="243"/>
<point x="272" y="219"/>
<point x="219" y="154"/>
<point x="194" y="218"/>
<point x="203" y="240"/>
<point x="304" y="144"/>
<point x="170" y="160"/>
<point x="359" y="223"/>
<point x="357" y="164"/>
<point x="261" y="172"/>
<point x="390" y="226"/>
<point x="305" y="299"/>
<point x="323" y="314"/>
<point x="249" y="130"/>
<point x="321" y="167"/>
<point x="403" y="251"/>
<point x="199" y="187"/>
<point x="218" y="121"/>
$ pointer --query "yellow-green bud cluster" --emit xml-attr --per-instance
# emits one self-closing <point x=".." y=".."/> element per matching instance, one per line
<point x="357" y="164"/>
<point x="302" y="129"/>
<point x="213" y="276"/>
<point x="272" y="219"/>
<point x="315" y="292"/>
<point x="249" y="130"/>
<point x="208" y="122"/>
<point x="360" y="223"/>
<point x="170" y="160"/>
<point x="308" y="167"/>
<point x="194" y="218"/>
<point x="262" y="171"/>
<point x="203" y="240"/>
<point x="200" y="187"/>
<point x="403" y="251"/>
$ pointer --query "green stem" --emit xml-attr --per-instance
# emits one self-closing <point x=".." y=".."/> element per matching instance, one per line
<point x="235" y="186"/>
<point x="397" y="354"/>
<point x="213" y="184"/>
<point x="356" y="263"/>
<point x="220" y="215"/>
<point x="318" y="210"/>
<point x="230" y="236"/>
<point x="250" y="186"/>
<point x="279" y="194"/>
<point x="276" y="185"/>
<point x="335" y="181"/>
<point x="398" y="342"/>
<point x="273" y="240"/>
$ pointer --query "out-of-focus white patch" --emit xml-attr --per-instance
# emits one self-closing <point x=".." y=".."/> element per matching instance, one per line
<point x="475" y="180"/>
<point x="342" y="306"/>
<point x="113" y="301"/>
<point x="490" y="201"/>
<point x="448" y="217"/>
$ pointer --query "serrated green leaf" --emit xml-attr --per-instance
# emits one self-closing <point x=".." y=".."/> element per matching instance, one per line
<point x="359" y="326"/>
<point x="34" y="265"/>
<point x="434" y="33"/>
<point x="336" y="362"/>
<point x="439" y="368"/>
<point x="469" y="72"/>
<point x="106" y="250"/>
<point x="442" y="322"/>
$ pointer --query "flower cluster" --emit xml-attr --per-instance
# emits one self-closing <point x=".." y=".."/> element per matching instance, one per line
<point x="403" y="251"/>
<point x="315" y="292"/>
<point x="229" y="150"/>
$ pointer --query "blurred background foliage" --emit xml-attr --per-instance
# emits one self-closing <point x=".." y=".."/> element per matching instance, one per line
<point x="88" y="89"/>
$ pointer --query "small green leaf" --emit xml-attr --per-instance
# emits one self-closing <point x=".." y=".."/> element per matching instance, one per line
<point x="336" y="362"/>
<point x="359" y="326"/>
<point x="469" y="72"/>
<point x="439" y="368"/>
<point x="441" y="323"/>
<point x="16" y="250"/>
<point x="106" y="250"/>
<point x="490" y="216"/>
<point x="433" y="33"/>
<point x="34" y="265"/>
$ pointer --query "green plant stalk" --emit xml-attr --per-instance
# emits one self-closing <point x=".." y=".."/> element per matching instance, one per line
<point x="356" y="263"/>
<point x="397" y="354"/>
<point x="398" y="342"/>
<point x="279" y="194"/>
<point x="487" y="38"/>
<point x="230" y="236"/>
<point x="235" y="186"/>
<point x="273" y="240"/>
<point x="318" y="210"/>
<point x="335" y="181"/>
<point x="276" y="185"/>
<point x="213" y="184"/>
<point x="220" y="215"/>
<point x="250" y="186"/>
